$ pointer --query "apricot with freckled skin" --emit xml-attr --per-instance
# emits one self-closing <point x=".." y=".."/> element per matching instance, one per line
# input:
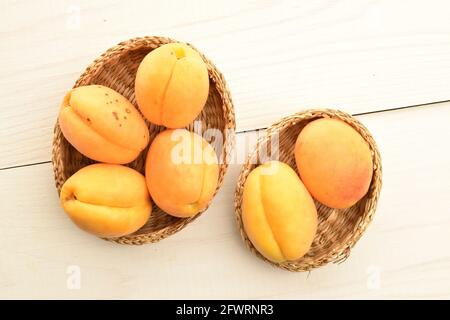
<point x="102" y="124"/>
<point x="278" y="213"/>
<point x="334" y="162"/>
<point x="107" y="200"/>
<point x="182" y="172"/>
<point x="172" y="85"/>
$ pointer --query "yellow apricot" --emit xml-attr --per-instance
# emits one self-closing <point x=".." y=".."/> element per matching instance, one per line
<point x="182" y="172"/>
<point x="278" y="213"/>
<point x="172" y="85"/>
<point x="334" y="162"/>
<point x="102" y="124"/>
<point x="107" y="200"/>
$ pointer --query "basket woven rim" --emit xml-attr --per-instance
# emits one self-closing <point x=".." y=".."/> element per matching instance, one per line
<point x="215" y="76"/>
<point x="340" y="253"/>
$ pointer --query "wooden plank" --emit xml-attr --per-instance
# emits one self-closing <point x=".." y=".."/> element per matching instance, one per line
<point x="404" y="254"/>
<point x="278" y="57"/>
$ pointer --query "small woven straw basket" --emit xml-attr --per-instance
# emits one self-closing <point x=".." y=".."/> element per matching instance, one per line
<point x="116" y="68"/>
<point x="338" y="230"/>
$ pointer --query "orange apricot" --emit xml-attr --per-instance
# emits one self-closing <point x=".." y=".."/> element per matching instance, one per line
<point x="334" y="162"/>
<point x="102" y="124"/>
<point x="107" y="200"/>
<point x="172" y="85"/>
<point x="182" y="172"/>
<point x="278" y="213"/>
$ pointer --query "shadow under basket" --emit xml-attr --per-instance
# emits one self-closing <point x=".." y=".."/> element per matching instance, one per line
<point x="338" y="229"/>
<point x="116" y="68"/>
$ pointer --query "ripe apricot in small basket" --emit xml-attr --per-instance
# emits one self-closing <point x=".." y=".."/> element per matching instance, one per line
<point x="107" y="200"/>
<point x="278" y="213"/>
<point x="181" y="172"/>
<point x="102" y="124"/>
<point x="334" y="162"/>
<point x="172" y="85"/>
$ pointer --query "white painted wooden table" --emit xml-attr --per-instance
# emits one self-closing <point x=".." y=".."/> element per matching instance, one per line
<point x="388" y="62"/>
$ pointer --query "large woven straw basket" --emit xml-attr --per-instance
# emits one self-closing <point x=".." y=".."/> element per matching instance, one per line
<point x="116" y="68"/>
<point x="338" y="230"/>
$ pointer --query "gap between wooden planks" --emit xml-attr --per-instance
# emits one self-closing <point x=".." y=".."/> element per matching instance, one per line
<point x="254" y="136"/>
<point x="404" y="253"/>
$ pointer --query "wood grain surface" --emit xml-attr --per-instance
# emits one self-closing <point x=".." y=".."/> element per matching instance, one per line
<point x="279" y="57"/>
